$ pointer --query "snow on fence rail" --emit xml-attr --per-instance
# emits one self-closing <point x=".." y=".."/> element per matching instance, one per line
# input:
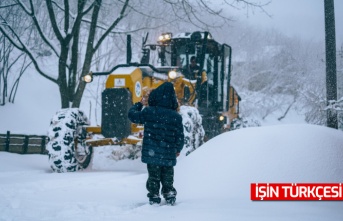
<point x="23" y="144"/>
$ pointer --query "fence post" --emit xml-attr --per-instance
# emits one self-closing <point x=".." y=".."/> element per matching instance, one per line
<point x="43" y="145"/>
<point x="7" y="148"/>
<point x="25" y="145"/>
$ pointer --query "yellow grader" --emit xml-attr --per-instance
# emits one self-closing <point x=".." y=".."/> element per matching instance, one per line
<point x="70" y="137"/>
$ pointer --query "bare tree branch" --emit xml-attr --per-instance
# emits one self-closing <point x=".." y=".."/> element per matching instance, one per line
<point x="83" y="13"/>
<point x="210" y="10"/>
<point x="53" y="21"/>
<point x="88" y="9"/>
<point x="7" y="6"/>
<point x="70" y="14"/>
<point x="16" y="83"/>
<point x="118" y="32"/>
<point x="34" y="18"/>
<point x="22" y="47"/>
<point x="249" y="4"/>
<point x="15" y="61"/>
<point x="140" y="12"/>
<point x="190" y="11"/>
<point x="7" y="35"/>
<point x="66" y="16"/>
<point x="114" y="24"/>
<point x="23" y="6"/>
<point x="77" y="22"/>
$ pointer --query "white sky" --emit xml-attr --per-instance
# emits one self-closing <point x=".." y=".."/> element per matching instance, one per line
<point x="304" y="18"/>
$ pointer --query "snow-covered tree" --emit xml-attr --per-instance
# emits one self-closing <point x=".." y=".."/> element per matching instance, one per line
<point x="13" y="62"/>
<point x="274" y="73"/>
<point x="70" y="33"/>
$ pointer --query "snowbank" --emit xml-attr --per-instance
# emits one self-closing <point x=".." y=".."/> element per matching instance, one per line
<point x="288" y="154"/>
<point x="220" y="171"/>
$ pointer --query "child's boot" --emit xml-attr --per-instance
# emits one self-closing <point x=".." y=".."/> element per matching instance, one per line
<point x="154" y="200"/>
<point x="171" y="200"/>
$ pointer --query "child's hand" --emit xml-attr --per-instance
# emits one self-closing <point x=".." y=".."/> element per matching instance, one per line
<point x="145" y="98"/>
<point x="144" y="101"/>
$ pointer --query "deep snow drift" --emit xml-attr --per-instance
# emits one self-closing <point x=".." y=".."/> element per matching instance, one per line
<point x="213" y="182"/>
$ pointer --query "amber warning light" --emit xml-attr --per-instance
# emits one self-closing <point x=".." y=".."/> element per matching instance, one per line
<point x="296" y="191"/>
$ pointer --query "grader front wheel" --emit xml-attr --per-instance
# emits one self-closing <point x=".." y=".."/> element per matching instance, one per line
<point x="66" y="147"/>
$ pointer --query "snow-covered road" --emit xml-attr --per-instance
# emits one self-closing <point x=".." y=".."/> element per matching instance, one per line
<point x="212" y="182"/>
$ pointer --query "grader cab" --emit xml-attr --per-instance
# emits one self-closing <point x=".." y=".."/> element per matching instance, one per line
<point x="70" y="148"/>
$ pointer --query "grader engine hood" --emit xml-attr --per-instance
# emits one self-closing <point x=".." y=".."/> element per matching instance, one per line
<point x="123" y="88"/>
<point x="129" y="78"/>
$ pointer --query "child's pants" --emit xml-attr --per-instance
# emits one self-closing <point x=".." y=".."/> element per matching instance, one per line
<point x="157" y="175"/>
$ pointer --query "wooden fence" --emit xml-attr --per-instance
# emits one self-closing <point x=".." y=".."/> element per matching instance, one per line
<point x="23" y="144"/>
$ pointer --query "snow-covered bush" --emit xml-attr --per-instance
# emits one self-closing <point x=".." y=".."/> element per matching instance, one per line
<point x="131" y="152"/>
<point x="192" y="129"/>
<point x="337" y="108"/>
<point x="239" y="123"/>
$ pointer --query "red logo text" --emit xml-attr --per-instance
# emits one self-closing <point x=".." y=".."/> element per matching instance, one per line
<point x="296" y="191"/>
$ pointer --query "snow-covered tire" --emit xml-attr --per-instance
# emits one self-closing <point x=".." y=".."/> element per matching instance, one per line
<point x="192" y="128"/>
<point x="66" y="145"/>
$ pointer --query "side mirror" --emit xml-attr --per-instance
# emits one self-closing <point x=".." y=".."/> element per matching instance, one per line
<point x="146" y="56"/>
<point x="153" y="47"/>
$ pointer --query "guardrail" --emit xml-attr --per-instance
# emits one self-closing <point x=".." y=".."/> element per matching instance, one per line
<point x="23" y="144"/>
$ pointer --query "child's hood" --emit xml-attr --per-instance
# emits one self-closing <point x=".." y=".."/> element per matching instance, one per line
<point x="164" y="96"/>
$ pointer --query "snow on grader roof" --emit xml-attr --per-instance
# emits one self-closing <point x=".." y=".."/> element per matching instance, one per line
<point x="189" y="34"/>
<point x="124" y="70"/>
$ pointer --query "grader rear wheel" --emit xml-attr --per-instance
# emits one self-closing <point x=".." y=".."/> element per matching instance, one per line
<point x="66" y="146"/>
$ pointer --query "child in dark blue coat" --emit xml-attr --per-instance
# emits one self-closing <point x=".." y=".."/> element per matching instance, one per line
<point x="163" y="140"/>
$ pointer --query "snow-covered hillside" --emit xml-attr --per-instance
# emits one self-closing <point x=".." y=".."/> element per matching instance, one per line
<point x="212" y="182"/>
<point x="36" y="102"/>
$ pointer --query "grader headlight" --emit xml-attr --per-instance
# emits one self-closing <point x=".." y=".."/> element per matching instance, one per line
<point x="165" y="37"/>
<point x="172" y="74"/>
<point x="221" y="117"/>
<point x="88" y="78"/>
